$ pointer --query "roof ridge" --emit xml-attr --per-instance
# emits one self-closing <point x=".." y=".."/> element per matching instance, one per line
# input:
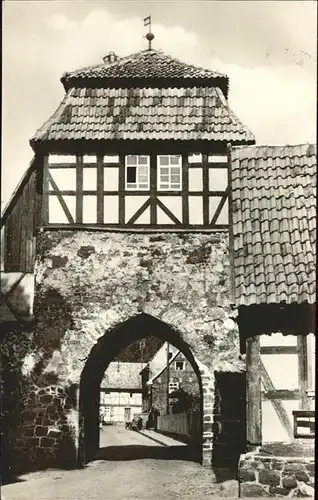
<point x="107" y="64"/>
<point x="134" y="57"/>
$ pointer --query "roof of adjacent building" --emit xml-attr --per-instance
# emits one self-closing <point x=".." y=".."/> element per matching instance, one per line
<point x="147" y="64"/>
<point x="160" y="372"/>
<point x="274" y="224"/>
<point x="122" y="375"/>
<point x="147" y="95"/>
<point x="144" y="113"/>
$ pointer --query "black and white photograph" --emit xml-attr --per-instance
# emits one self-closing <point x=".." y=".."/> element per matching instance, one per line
<point x="158" y="249"/>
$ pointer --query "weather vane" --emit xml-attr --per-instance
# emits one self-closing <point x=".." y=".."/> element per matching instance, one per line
<point x="150" y="36"/>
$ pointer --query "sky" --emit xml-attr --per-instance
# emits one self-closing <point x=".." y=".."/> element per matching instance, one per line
<point x="268" y="50"/>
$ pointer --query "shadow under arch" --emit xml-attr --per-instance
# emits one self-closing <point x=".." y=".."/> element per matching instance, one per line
<point x="103" y="352"/>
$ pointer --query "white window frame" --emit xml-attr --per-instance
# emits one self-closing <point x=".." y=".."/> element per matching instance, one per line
<point x="183" y="365"/>
<point x="137" y="186"/>
<point x="173" y="386"/>
<point x="169" y="166"/>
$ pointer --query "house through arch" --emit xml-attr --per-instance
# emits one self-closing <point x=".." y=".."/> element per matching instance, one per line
<point x="103" y="352"/>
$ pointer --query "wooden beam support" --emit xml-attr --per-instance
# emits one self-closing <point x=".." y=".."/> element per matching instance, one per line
<point x="253" y="394"/>
<point x="279" y="349"/>
<point x="303" y="372"/>
<point x="185" y="190"/>
<point x="121" y="190"/>
<point x="205" y="188"/>
<point x="277" y="404"/>
<point x="61" y="200"/>
<point x="79" y="189"/>
<point x="140" y="210"/>
<point x="100" y="190"/>
<point x="168" y="212"/>
<point x="153" y="189"/>
<point x="45" y="197"/>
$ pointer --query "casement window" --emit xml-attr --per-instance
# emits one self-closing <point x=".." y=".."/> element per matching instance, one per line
<point x="179" y="365"/>
<point x="173" y="386"/>
<point x="169" y="172"/>
<point x="137" y="172"/>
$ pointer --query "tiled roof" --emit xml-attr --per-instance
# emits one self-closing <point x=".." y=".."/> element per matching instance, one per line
<point x="274" y="224"/>
<point x="147" y="64"/>
<point x="120" y="375"/>
<point x="197" y="113"/>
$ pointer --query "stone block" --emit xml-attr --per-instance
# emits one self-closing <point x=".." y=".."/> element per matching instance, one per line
<point x="229" y="489"/>
<point x="54" y="433"/>
<point x="277" y="464"/>
<point x="47" y="442"/>
<point x="289" y="483"/>
<point x="278" y="491"/>
<point x="310" y="468"/>
<point x="293" y="467"/>
<point x="302" y="476"/>
<point x="253" y="490"/>
<point x="46" y="399"/>
<point x="41" y="431"/>
<point x="247" y="475"/>
<point x="269" y="477"/>
<point x="305" y="490"/>
<point x="29" y="432"/>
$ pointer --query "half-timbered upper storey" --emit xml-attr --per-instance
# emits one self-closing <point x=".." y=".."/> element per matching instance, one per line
<point x="139" y="141"/>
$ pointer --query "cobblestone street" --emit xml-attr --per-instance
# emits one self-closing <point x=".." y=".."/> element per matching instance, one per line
<point x="119" y="479"/>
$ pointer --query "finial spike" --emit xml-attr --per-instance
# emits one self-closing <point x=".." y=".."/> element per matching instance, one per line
<point x="150" y="36"/>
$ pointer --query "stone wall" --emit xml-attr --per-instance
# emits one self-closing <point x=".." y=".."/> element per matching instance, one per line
<point x="88" y="283"/>
<point x="266" y="476"/>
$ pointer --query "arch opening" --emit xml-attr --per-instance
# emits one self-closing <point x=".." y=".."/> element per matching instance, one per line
<point x="108" y="347"/>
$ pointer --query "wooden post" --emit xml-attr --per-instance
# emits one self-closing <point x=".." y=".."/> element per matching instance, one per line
<point x="79" y="189"/>
<point x="253" y="394"/>
<point x="100" y="189"/>
<point x="185" y="190"/>
<point x="121" y="190"/>
<point x="205" y="188"/>
<point x="231" y="232"/>
<point x="45" y="191"/>
<point x="302" y="372"/>
<point x="153" y="189"/>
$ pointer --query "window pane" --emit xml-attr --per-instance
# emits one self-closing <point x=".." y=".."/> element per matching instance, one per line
<point x="175" y="178"/>
<point x="174" y="160"/>
<point x="143" y="186"/>
<point x="164" y="178"/>
<point x="131" y="174"/>
<point x="164" y="160"/>
<point x="164" y="170"/>
<point x="142" y="160"/>
<point x="143" y="170"/>
<point x="131" y="160"/>
<point x="175" y="170"/>
<point x="175" y="186"/>
<point x="164" y="186"/>
<point x="142" y="178"/>
<point x="131" y="186"/>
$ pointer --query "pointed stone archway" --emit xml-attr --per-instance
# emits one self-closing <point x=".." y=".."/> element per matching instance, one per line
<point x="103" y="352"/>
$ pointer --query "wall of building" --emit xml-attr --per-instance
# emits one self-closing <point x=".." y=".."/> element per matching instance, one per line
<point x="88" y="283"/>
<point x="185" y="378"/>
<point x="281" y="383"/>
<point x="116" y="404"/>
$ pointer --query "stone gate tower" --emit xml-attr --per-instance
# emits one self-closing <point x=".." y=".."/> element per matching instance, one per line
<point x="121" y="225"/>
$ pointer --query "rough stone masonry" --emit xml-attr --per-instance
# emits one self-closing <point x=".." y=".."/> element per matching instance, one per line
<point x="87" y="283"/>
